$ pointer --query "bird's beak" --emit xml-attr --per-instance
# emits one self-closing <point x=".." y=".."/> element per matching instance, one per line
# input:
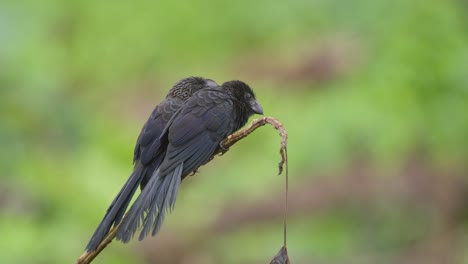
<point x="256" y="107"/>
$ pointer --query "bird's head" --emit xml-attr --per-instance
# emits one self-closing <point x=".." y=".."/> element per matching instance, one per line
<point x="245" y="96"/>
<point x="184" y="88"/>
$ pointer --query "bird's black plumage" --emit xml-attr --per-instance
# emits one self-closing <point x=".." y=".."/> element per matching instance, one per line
<point x="148" y="153"/>
<point x="189" y="140"/>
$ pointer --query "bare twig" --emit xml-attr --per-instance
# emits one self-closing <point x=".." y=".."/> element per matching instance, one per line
<point x="286" y="199"/>
<point x="88" y="257"/>
<point x="256" y="123"/>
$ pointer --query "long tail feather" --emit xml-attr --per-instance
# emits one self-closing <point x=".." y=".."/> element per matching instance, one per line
<point x="168" y="201"/>
<point x="117" y="208"/>
<point x="150" y="207"/>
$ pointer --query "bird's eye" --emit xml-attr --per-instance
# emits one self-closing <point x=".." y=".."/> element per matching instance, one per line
<point x="248" y="96"/>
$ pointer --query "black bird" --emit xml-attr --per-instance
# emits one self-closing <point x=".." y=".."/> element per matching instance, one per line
<point x="189" y="140"/>
<point x="148" y="153"/>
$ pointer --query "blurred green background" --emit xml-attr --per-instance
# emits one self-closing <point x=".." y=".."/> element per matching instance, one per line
<point x="373" y="94"/>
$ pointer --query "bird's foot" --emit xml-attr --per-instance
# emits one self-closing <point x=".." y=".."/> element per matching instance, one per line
<point x="223" y="149"/>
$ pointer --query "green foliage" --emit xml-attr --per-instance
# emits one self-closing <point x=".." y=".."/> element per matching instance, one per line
<point x="79" y="78"/>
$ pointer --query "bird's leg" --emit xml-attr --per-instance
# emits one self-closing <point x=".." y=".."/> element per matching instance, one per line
<point x="193" y="172"/>
<point x="222" y="149"/>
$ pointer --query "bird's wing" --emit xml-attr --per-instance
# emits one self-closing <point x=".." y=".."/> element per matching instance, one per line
<point x="148" y="142"/>
<point x="195" y="133"/>
<point x="149" y="149"/>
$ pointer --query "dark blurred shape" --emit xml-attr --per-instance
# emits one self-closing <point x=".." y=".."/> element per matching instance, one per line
<point x="316" y="62"/>
<point x="281" y="257"/>
<point x="15" y="201"/>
